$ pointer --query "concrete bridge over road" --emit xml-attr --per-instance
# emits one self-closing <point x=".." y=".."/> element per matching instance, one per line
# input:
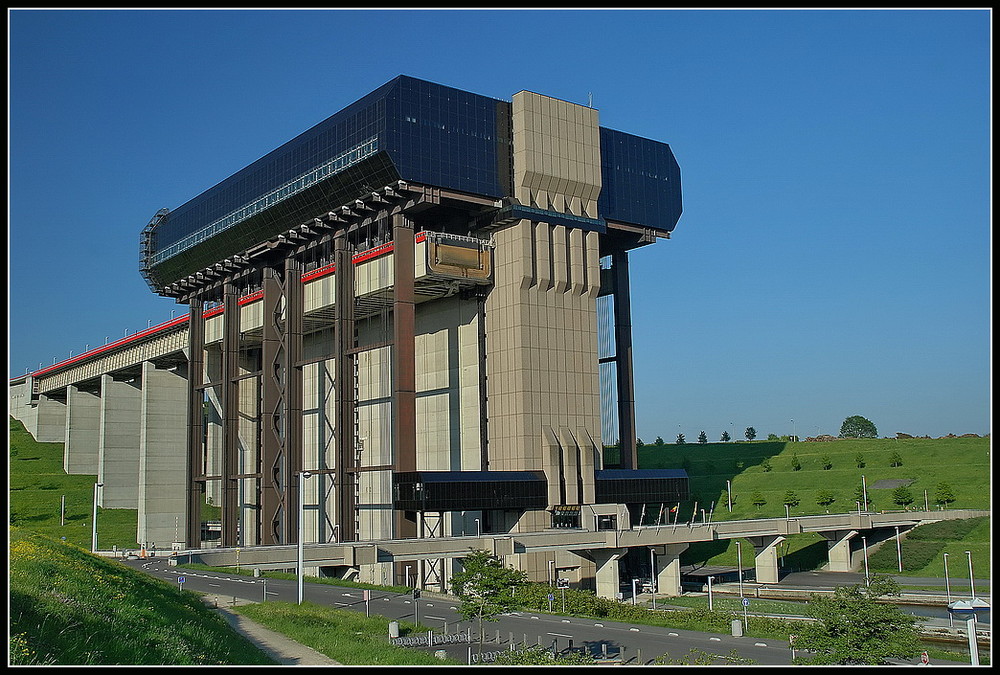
<point x="844" y="533"/>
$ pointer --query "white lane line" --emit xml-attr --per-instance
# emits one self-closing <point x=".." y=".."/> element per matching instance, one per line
<point x="562" y="635"/>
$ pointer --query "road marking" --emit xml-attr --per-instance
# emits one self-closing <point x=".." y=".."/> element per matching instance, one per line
<point x="345" y="604"/>
<point x="559" y="635"/>
<point x="348" y="595"/>
<point x="759" y="644"/>
<point x="438" y="618"/>
<point x="715" y="639"/>
<point x="672" y="634"/>
<point x="216" y="585"/>
<point x="599" y="625"/>
<point x="635" y="629"/>
<point x="565" y="620"/>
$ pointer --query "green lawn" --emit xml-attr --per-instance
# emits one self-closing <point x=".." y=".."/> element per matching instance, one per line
<point x="962" y="463"/>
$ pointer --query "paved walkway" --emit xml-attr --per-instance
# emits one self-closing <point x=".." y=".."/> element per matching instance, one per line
<point x="282" y="649"/>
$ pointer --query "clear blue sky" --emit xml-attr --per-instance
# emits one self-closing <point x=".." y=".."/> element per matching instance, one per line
<point x="833" y="257"/>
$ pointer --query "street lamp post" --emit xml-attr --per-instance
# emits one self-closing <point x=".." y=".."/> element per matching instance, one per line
<point x="710" y="593"/>
<point x="947" y="587"/>
<point x="864" y="492"/>
<point x="652" y="574"/>
<point x="729" y="495"/>
<point x="739" y="564"/>
<point x="864" y="543"/>
<point x="793" y="431"/>
<point x="479" y="531"/>
<point x="303" y="475"/>
<point x="93" y="534"/>
<point x="972" y="584"/>
<point x="899" y="551"/>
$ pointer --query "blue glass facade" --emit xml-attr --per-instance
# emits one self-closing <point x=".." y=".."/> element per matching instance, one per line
<point x="407" y="129"/>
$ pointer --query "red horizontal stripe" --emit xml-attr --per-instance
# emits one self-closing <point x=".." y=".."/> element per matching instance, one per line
<point x="364" y="256"/>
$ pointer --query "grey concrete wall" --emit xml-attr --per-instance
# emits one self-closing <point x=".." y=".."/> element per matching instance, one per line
<point x="51" y="421"/>
<point x="118" y="454"/>
<point x="162" y="467"/>
<point x="83" y="431"/>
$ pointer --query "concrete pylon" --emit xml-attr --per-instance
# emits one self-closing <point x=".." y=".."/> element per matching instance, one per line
<point x="83" y="431"/>
<point x="838" y="550"/>
<point x="607" y="576"/>
<point x="162" y="457"/>
<point x="51" y="420"/>
<point x="766" y="557"/>
<point x="118" y="450"/>
<point x="668" y="568"/>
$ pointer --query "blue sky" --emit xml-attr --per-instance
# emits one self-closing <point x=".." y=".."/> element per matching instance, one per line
<point x="833" y="257"/>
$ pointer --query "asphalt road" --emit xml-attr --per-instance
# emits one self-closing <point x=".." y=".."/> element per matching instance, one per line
<point x="633" y="643"/>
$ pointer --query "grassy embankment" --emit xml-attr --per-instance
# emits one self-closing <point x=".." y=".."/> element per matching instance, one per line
<point x="962" y="463"/>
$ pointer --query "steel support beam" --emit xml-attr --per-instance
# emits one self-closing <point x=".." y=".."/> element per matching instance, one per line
<point x="196" y="413"/>
<point x="231" y="415"/>
<point x="623" y="361"/>
<point x="292" y="339"/>
<point x="274" y="492"/>
<point x="344" y="389"/>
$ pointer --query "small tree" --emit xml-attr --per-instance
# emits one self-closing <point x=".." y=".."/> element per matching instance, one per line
<point x="853" y="628"/>
<point x="859" y="459"/>
<point x="725" y="437"/>
<point x="796" y="464"/>
<point x="857" y="426"/>
<point x="827" y="462"/>
<point x="765" y="464"/>
<point x="658" y="441"/>
<point x="825" y="497"/>
<point x="680" y="439"/>
<point x="943" y="494"/>
<point x="895" y="459"/>
<point x="486" y="588"/>
<point x="757" y="499"/>
<point x="702" y="437"/>
<point x="902" y="496"/>
<point x="639" y="443"/>
<point x="790" y="499"/>
<point x="750" y="433"/>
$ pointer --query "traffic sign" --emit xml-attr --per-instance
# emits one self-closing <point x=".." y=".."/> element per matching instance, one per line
<point x="746" y="602"/>
<point x="924" y="659"/>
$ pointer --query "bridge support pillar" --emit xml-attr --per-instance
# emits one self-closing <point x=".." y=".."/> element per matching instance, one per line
<point x="607" y="571"/>
<point x="83" y="431"/>
<point x="766" y="557"/>
<point x="162" y="456"/>
<point x="668" y="568"/>
<point x="51" y="421"/>
<point x="118" y="451"/>
<point x="838" y="550"/>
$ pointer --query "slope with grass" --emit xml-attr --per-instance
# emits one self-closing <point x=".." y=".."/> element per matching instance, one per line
<point x="68" y="607"/>
<point x="763" y="475"/>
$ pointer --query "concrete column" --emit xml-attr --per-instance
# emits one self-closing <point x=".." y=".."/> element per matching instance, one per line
<point x="838" y="550"/>
<point x="766" y="558"/>
<point x="51" y="424"/>
<point x="668" y="568"/>
<point x="118" y="450"/>
<point x="607" y="575"/>
<point x="83" y="431"/>
<point x="162" y="457"/>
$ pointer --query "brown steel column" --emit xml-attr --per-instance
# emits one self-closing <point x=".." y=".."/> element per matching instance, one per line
<point x="404" y="365"/>
<point x="343" y="385"/>
<point x="273" y="483"/>
<point x="231" y="415"/>
<point x="196" y="422"/>
<point x="623" y="357"/>
<point x="293" y="393"/>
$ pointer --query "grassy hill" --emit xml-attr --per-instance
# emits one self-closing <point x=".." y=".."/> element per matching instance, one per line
<point x="765" y="471"/>
<point x="70" y="607"/>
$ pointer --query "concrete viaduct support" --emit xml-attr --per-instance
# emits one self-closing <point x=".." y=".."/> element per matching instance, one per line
<point x="83" y="431"/>
<point x="51" y="421"/>
<point x="606" y="561"/>
<point x="668" y="568"/>
<point x="162" y="456"/>
<point x="766" y="557"/>
<point x="838" y="546"/>
<point x="118" y="456"/>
